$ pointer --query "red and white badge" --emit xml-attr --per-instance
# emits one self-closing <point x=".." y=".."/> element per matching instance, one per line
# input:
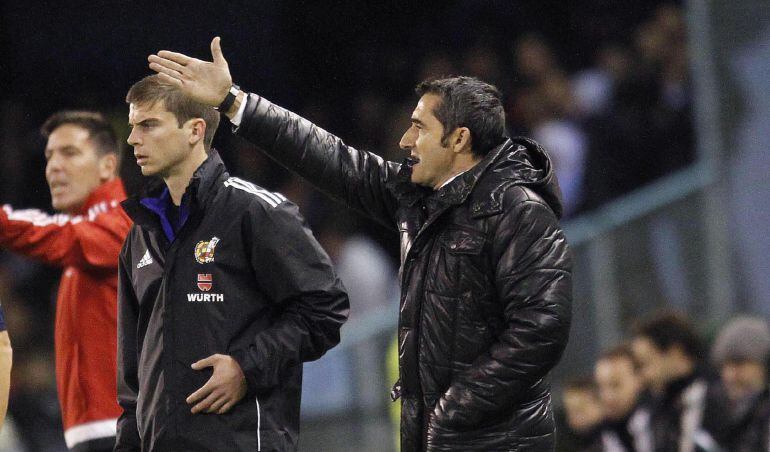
<point x="205" y="281"/>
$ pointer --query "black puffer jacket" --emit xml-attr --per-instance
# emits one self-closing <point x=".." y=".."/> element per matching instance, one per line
<point x="485" y="276"/>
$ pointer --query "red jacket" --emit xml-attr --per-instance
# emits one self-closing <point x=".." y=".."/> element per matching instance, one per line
<point x="87" y="247"/>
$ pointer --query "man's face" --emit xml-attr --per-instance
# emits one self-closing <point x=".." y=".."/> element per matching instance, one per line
<point x="74" y="167"/>
<point x="652" y="363"/>
<point x="619" y="386"/>
<point x="582" y="409"/>
<point x="160" y="145"/>
<point x="423" y="140"/>
<point x="742" y="378"/>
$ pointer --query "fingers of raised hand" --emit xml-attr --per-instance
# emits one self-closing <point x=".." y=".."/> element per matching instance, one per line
<point x="175" y="57"/>
<point x="166" y="63"/>
<point x="160" y="69"/>
<point x="169" y="79"/>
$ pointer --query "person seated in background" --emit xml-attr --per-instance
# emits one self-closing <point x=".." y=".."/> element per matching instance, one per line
<point x="583" y="412"/>
<point x="6" y="358"/>
<point x="621" y="393"/>
<point x="667" y="349"/>
<point x="738" y="409"/>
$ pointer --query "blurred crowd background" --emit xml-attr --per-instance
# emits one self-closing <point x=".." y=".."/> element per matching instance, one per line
<point x="655" y="114"/>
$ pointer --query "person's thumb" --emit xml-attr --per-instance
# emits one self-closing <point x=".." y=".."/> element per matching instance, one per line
<point x="216" y="52"/>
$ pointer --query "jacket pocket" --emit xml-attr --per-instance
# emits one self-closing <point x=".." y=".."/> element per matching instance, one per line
<point x="461" y="241"/>
<point x="495" y="436"/>
<point x="437" y="324"/>
<point x="472" y="334"/>
<point x="457" y="263"/>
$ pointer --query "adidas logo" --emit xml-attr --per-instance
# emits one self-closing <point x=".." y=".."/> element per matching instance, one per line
<point x="145" y="260"/>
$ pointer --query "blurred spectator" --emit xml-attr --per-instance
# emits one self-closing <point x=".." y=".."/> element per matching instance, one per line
<point x="594" y="88"/>
<point x="534" y="59"/>
<point x="648" y="130"/>
<point x="738" y="414"/>
<point x="35" y="409"/>
<point x="481" y="61"/>
<point x="584" y="417"/>
<point x="544" y="106"/>
<point x="370" y="280"/>
<point x="667" y="349"/>
<point x="563" y="138"/>
<point x="627" y="420"/>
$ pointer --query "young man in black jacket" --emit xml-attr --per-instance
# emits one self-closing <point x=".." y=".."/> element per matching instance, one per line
<point x="485" y="268"/>
<point x="223" y="293"/>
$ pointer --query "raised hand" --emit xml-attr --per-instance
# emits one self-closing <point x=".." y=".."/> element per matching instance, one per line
<point x="224" y="389"/>
<point x="205" y="81"/>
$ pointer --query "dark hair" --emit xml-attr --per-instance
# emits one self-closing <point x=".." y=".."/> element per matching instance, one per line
<point x="100" y="131"/>
<point x="582" y="383"/>
<point x="667" y="329"/>
<point x="622" y="351"/>
<point x="468" y="102"/>
<point x="152" y="89"/>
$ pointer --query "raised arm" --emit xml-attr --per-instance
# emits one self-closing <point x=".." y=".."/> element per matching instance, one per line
<point x="84" y="241"/>
<point x="360" y="179"/>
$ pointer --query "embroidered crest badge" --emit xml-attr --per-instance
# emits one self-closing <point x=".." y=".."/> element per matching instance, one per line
<point x="204" y="251"/>
<point x="205" y="281"/>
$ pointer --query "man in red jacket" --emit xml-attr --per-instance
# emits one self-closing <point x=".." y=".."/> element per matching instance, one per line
<point x="84" y="239"/>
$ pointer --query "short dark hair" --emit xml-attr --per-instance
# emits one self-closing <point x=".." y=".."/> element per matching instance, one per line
<point x="99" y="129"/>
<point x="622" y="351"/>
<point x="581" y="383"/>
<point x="667" y="329"/>
<point x="152" y="89"/>
<point x="468" y="102"/>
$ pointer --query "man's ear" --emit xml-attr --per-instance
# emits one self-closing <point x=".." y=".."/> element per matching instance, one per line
<point x="460" y="140"/>
<point x="108" y="166"/>
<point x="197" y="130"/>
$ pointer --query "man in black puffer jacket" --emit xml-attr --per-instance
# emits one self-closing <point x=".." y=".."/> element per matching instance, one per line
<point x="485" y="268"/>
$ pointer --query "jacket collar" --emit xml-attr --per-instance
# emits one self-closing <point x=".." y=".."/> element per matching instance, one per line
<point x="110" y="192"/>
<point x="457" y="191"/>
<point x="517" y="161"/>
<point x="200" y="190"/>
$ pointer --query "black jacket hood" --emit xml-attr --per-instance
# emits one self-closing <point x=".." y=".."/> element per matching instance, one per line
<point x="523" y="161"/>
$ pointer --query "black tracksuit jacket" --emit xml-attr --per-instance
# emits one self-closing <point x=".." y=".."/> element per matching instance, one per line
<point x="243" y="277"/>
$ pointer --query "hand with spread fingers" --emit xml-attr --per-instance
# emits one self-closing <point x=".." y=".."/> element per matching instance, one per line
<point x="205" y="81"/>
<point x="225" y="388"/>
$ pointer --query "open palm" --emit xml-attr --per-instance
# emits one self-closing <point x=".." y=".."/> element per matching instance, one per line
<point x="205" y="81"/>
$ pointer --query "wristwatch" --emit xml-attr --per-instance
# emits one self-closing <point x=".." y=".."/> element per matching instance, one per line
<point x="229" y="99"/>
